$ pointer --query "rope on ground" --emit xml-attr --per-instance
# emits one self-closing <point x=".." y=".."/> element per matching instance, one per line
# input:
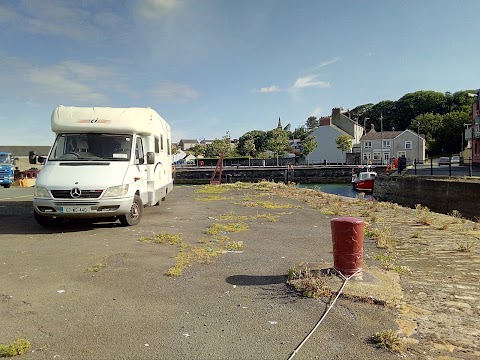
<point x="345" y="279"/>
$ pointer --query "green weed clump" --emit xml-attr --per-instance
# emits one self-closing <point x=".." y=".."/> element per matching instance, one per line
<point x="388" y="340"/>
<point x="464" y="246"/>
<point x="163" y="238"/>
<point x="212" y="198"/>
<point x="217" y="228"/>
<point x="424" y="215"/>
<point x="307" y="283"/>
<point x="382" y="234"/>
<point x="18" y="347"/>
<point x="212" y="189"/>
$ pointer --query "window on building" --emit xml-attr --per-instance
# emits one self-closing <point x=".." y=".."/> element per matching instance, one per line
<point x="408" y="145"/>
<point x="377" y="155"/>
<point x="386" y="144"/>
<point x="367" y="156"/>
<point x="368" y="145"/>
<point x="401" y="153"/>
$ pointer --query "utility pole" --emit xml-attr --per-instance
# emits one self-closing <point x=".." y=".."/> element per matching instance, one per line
<point x="381" y="136"/>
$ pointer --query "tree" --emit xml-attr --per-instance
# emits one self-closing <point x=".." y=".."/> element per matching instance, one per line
<point x="249" y="148"/>
<point x="219" y="146"/>
<point x="175" y="150"/>
<point x="311" y="123"/>
<point x="197" y="149"/>
<point x="257" y="137"/>
<point x="277" y="142"/>
<point x="344" y="143"/>
<point x="308" y="145"/>
<point x="301" y="133"/>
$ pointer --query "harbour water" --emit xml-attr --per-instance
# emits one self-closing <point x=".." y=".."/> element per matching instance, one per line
<point x="336" y="189"/>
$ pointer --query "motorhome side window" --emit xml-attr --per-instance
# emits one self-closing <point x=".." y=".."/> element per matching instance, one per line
<point x="168" y="147"/>
<point x="161" y="142"/>
<point x="139" y="149"/>
<point x="157" y="145"/>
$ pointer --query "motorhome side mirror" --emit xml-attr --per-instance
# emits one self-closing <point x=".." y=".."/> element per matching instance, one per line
<point x="41" y="159"/>
<point x="150" y="157"/>
<point x="32" y="157"/>
<point x="15" y="161"/>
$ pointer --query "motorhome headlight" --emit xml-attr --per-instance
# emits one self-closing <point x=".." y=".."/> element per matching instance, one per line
<point x="41" y="192"/>
<point x="115" y="191"/>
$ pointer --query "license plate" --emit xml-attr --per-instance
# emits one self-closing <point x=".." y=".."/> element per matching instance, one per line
<point x="76" y="209"/>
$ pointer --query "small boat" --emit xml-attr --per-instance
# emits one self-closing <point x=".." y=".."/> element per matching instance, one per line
<point x="364" y="180"/>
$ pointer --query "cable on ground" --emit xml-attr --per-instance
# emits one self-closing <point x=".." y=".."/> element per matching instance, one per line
<point x="345" y="279"/>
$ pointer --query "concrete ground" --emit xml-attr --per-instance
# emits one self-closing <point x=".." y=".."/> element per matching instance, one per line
<point x="86" y="291"/>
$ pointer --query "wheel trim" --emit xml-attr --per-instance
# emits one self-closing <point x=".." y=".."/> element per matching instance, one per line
<point x="134" y="211"/>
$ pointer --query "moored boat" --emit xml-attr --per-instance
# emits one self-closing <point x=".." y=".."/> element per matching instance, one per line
<point x="364" y="181"/>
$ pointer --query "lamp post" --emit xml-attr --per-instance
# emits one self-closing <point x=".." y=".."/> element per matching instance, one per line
<point x="418" y="141"/>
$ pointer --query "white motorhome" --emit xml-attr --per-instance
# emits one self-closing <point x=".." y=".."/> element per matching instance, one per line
<point x="105" y="163"/>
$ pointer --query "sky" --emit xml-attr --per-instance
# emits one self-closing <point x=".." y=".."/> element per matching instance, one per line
<point x="215" y="68"/>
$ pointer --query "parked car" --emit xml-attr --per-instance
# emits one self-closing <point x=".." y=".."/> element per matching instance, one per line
<point x="455" y="159"/>
<point x="444" y="160"/>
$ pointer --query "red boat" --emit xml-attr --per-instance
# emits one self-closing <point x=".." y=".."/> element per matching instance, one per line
<point x="364" y="181"/>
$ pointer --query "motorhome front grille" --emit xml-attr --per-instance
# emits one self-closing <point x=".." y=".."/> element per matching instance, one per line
<point x="85" y="194"/>
<point x="3" y="172"/>
<point x="70" y="203"/>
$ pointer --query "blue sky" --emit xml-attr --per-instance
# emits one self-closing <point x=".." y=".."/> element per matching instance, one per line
<point x="210" y="67"/>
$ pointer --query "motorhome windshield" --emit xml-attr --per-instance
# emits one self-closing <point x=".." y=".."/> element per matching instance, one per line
<point x="95" y="147"/>
<point x="5" y="159"/>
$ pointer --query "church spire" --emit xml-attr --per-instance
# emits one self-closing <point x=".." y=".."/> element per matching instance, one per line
<point x="279" y="126"/>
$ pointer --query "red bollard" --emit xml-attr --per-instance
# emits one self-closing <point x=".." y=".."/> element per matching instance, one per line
<point x="347" y="239"/>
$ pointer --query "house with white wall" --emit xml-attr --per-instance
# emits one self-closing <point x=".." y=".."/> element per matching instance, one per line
<point x="330" y="128"/>
<point x="379" y="147"/>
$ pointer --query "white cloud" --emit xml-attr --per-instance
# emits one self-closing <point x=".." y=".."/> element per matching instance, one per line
<point x="173" y="93"/>
<point x="64" y="82"/>
<point x="325" y="63"/>
<point x="308" y="82"/>
<point x="269" y="89"/>
<point x="7" y="14"/>
<point x="151" y="9"/>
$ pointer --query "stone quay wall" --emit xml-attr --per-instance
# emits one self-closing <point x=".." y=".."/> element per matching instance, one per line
<point x="297" y="174"/>
<point x="442" y="195"/>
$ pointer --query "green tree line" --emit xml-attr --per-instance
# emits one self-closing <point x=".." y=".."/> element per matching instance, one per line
<point x="438" y="116"/>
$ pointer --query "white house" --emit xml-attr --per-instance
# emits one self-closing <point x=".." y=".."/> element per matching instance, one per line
<point x="331" y="127"/>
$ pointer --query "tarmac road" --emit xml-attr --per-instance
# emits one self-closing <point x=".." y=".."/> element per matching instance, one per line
<point x="235" y="307"/>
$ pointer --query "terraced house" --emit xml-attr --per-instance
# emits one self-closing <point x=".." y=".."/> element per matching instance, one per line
<point x="380" y="147"/>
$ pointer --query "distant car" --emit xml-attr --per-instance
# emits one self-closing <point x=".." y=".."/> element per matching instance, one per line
<point x="444" y="160"/>
<point x="455" y="159"/>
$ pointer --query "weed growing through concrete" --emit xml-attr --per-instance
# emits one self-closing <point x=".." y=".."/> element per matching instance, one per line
<point x="182" y="260"/>
<point x="416" y="235"/>
<point x="464" y="246"/>
<point x="424" y="215"/>
<point x="163" y="238"/>
<point x="18" y="347"/>
<point x="306" y="283"/>
<point x="212" y="189"/>
<point x="217" y="228"/>
<point x="388" y="340"/>
<point x="212" y="198"/>
<point x="267" y="205"/>
<point x="235" y="246"/>
<point x="98" y="266"/>
<point x="382" y="234"/>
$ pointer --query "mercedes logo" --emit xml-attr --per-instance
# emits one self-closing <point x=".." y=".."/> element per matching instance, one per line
<point x="75" y="192"/>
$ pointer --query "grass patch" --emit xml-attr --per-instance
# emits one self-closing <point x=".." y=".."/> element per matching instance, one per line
<point x="212" y="189"/>
<point x="308" y="284"/>
<point x="268" y="217"/>
<point x="182" y="260"/>
<point x="267" y="205"/>
<point x="18" y="347"/>
<point x="217" y="228"/>
<point x="235" y="246"/>
<point x="388" y="340"/>
<point x="213" y="198"/>
<point x="163" y="238"/>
